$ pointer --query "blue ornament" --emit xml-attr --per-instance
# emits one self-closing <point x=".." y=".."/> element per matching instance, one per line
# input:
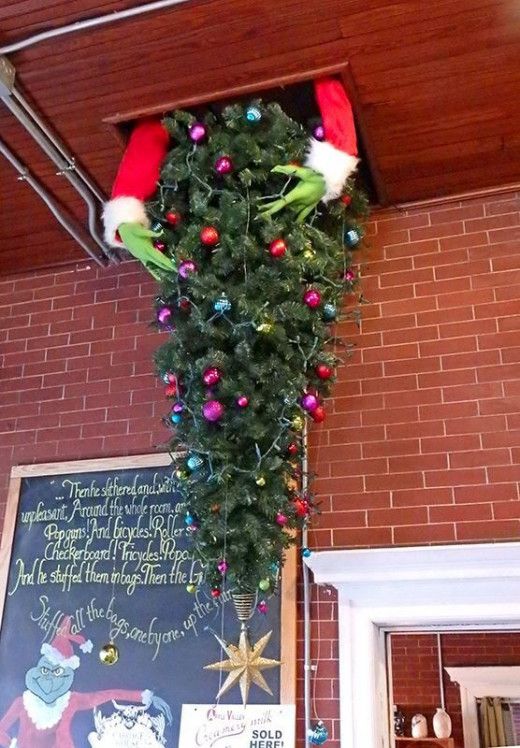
<point x="253" y="114"/>
<point x="222" y="304"/>
<point x="175" y="418"/>
<point x="188" y="519"/>
<point x="352" y="237"/>
<point x="318" y="735"/>
<point x="329" y="312"/>
<point x="306" y="552"/>
<point x="275" y="568"/>
<point x="194" y="462"/>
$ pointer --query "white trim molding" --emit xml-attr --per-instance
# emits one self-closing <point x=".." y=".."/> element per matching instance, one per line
<point x="455" y="586"/>
<point x="478" y="683"/>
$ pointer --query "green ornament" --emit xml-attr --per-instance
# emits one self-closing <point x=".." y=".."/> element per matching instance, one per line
<point x="264" y="584"/>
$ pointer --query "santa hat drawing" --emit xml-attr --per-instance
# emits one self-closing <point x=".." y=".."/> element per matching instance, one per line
<point x="335" y="158"/>
<point x="61" y="650"/>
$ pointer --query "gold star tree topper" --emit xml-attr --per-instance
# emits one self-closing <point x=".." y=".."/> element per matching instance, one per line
<point x="244" y="665"/>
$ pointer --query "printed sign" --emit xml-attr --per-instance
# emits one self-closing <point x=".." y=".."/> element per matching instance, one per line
<point x="253" y="726"/>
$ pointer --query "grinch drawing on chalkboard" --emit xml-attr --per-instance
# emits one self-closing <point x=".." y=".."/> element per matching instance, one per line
<point x="42" y="717"/>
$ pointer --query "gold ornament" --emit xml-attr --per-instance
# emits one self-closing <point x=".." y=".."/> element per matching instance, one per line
<point x="109" y="654"/>
<point x="244" y="665"/>
<point x="292" y="484"/>
<point x="298" y="423"/>
<point x="309" y="255"/>
<point x="265" y="327"/>
<point x="191" y="588"/>
<point x="260" y="481"/>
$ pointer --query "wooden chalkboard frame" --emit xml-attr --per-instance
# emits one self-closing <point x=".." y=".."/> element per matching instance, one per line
<point x="288" y="632"/>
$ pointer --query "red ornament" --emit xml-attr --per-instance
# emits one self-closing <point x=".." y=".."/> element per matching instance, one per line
<point x="312" y="298"/>
<point x="184" y="304"/>
<point x="277" y="248"/>
<point x="292" y="449"/>
<point x="211" y="376"/>
<point x="301" y="507"/>
<point x="173" y="217"/>
<point x="323" y="371"/>
<point x="215" y="593"/>
<point x="346" y="200"/>
<point x="319" y="415"/>
<point x="171" y="390"/>
<point x="209" y="236"/>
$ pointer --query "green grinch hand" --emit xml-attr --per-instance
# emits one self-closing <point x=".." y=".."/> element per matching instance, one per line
<point x="138" y="240"/>
<point x="303" y="198"/>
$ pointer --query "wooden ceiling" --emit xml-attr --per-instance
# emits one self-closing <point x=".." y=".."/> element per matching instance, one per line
<point x="436" y="87"/>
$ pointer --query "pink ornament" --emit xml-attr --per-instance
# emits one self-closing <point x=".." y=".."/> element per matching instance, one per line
<point x="164" y="314"/>
<point x="186" y="268"/>
<point x="312" y="298"/>
<point x="222" y="566"/>
<point x="349" y="275"/>
<point x="223" y="165"/>
<point x="281" y="519"/>
<point x="161" y="246"/>
<point x="309" y="402"/>
<point x="197" y="132"/>
<point x="319" y="132"/>
<point x="242" y="401"/>
<point x="211" y="376"/>
<point x="178" y="408"/>
<point x="262" y="607"/>
<point x="213" y="410"/>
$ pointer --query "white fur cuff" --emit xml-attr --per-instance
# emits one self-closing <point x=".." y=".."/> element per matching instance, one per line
<point x="336" y="166"/>
<point x="122" y="210"/>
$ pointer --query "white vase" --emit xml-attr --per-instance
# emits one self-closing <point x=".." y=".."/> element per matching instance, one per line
<point x="419" y="726"/>
<point x="442" y="724"/>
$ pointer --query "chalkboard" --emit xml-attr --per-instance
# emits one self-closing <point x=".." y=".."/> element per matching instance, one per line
<point x="104" y="542"/>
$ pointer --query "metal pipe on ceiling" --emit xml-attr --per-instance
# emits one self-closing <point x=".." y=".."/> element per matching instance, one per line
<point x="88" y="23"/>
<point x="39" y="122"/>
<point x="63" y="164"/>
<point x="68" y="224"/>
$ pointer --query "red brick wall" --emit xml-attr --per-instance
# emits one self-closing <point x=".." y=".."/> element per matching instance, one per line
<point x="422" y="441"/>
<point x="415" y="671"/>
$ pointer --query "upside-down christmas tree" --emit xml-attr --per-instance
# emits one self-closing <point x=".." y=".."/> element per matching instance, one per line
<point x="250" y="231"/>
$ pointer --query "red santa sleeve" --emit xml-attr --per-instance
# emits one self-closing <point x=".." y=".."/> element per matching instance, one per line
<point x="82" y="701"/>
<point x="137" y="177"/>
<point x="8" y="720"/>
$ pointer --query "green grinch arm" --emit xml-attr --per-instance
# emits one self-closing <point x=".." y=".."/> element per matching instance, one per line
<point x="138" y="241"/>
<point x="303" y="198"/>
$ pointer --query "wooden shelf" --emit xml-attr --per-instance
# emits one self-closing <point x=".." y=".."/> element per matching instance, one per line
<point x="429" y="742"/>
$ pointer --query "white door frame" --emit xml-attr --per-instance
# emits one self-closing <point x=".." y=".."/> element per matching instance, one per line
<point x="455" y="586"/>
<point x="477" y="683"/>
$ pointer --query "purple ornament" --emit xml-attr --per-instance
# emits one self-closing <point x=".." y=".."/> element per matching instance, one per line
<point x="197" y="132"/>
<point x="178" y="407"/>
<point x="223" y="165"/>
<point x="186" y="268"/>
<point x="281" y="519"/>
<point x="242" y="401"/>
<point x="164" y="314"/>
<point x="222" y="566"/>
<point x="312" y="298"/>
<point x="213" y="410"/>
<point x="319" y="132"/>
<point x="262" y="607"/>
<point x="309" y="402"/>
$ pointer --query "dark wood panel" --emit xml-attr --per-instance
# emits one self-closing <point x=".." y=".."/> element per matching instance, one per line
<point x="436" y="87"/>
